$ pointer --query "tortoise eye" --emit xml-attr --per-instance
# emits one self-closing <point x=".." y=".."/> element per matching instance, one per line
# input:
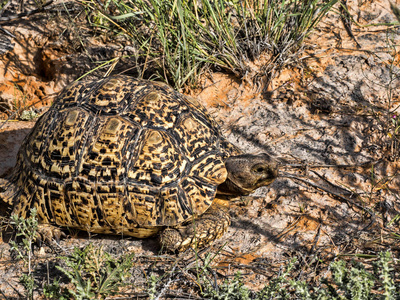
<point x="259" y="169"/>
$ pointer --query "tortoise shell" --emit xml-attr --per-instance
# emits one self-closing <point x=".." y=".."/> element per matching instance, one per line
<point x="118" y="154"/>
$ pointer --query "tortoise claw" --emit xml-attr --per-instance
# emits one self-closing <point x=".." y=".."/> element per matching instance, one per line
<point x="48" y="234"/>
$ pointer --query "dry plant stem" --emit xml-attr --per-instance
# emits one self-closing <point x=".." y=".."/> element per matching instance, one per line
<point x="15" y="290"/>
<point x="287" y="230"/>
<point x="346" y="19"/>
<point x="348" y="201"/>
<point x="14" y="115"/>
<point x="9" y="118"/>
<point x="3" y="9"/>
<point x="333" y="185"/>
<point x="5" y="297"/>
<point x="4" y="20"/>
<point x="7" y="32"/>
<point x="316" y="239"/>
<point x="306" y="166"/>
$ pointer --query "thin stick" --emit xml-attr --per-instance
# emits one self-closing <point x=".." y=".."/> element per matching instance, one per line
<point x="348" y="201"/>
<point x="366" y="164"/>
<point x="24" y="14"/>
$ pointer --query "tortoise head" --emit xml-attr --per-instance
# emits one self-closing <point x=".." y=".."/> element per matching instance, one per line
<point x="247" y="172"/>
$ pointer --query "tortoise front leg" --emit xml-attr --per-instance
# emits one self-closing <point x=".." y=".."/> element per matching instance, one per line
<point x="48" y="233"/>
<point x="198" y="233"/>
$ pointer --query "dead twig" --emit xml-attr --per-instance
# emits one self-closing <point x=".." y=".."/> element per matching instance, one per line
<point x="5" y="20"/>
<point x="7" y="32"/>
<point x="346" y="19"/>
<point x="341" y="197"/>
<point x="289" y="228"/>
<point x="15" y="289"/>
<point x="316" y="239"/>
<point x="2" y="10"/>
<point x="307" y="166"/>
<point x="332" y="184"/>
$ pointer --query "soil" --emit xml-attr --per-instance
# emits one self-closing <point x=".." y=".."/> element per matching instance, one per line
<point x="329" y="121"/>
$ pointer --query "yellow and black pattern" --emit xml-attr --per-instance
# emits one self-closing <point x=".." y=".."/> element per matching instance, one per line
<point x="157" y="109"/>
<point x="107" y="150"/>
<point x="121" y="156"/>
<point x="59" y="154"/>
<point x="195" y="137"/>
<point x="210" y="168"/>
<point x="34" y="145"/>
<point x="158" y="160"/>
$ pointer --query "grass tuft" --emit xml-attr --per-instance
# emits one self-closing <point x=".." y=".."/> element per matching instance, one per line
<point x="179" y="40"/>
<point x="22" y="248"/>
<point x="94" y="273"/>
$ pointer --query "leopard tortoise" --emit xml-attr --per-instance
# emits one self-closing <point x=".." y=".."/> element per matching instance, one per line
<point x="131" y="157"/>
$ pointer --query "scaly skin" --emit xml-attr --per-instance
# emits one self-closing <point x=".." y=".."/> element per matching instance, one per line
<point x="198" y="233"/>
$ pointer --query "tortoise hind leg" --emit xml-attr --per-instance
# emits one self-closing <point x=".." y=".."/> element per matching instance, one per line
<point x="199" y="233"/>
